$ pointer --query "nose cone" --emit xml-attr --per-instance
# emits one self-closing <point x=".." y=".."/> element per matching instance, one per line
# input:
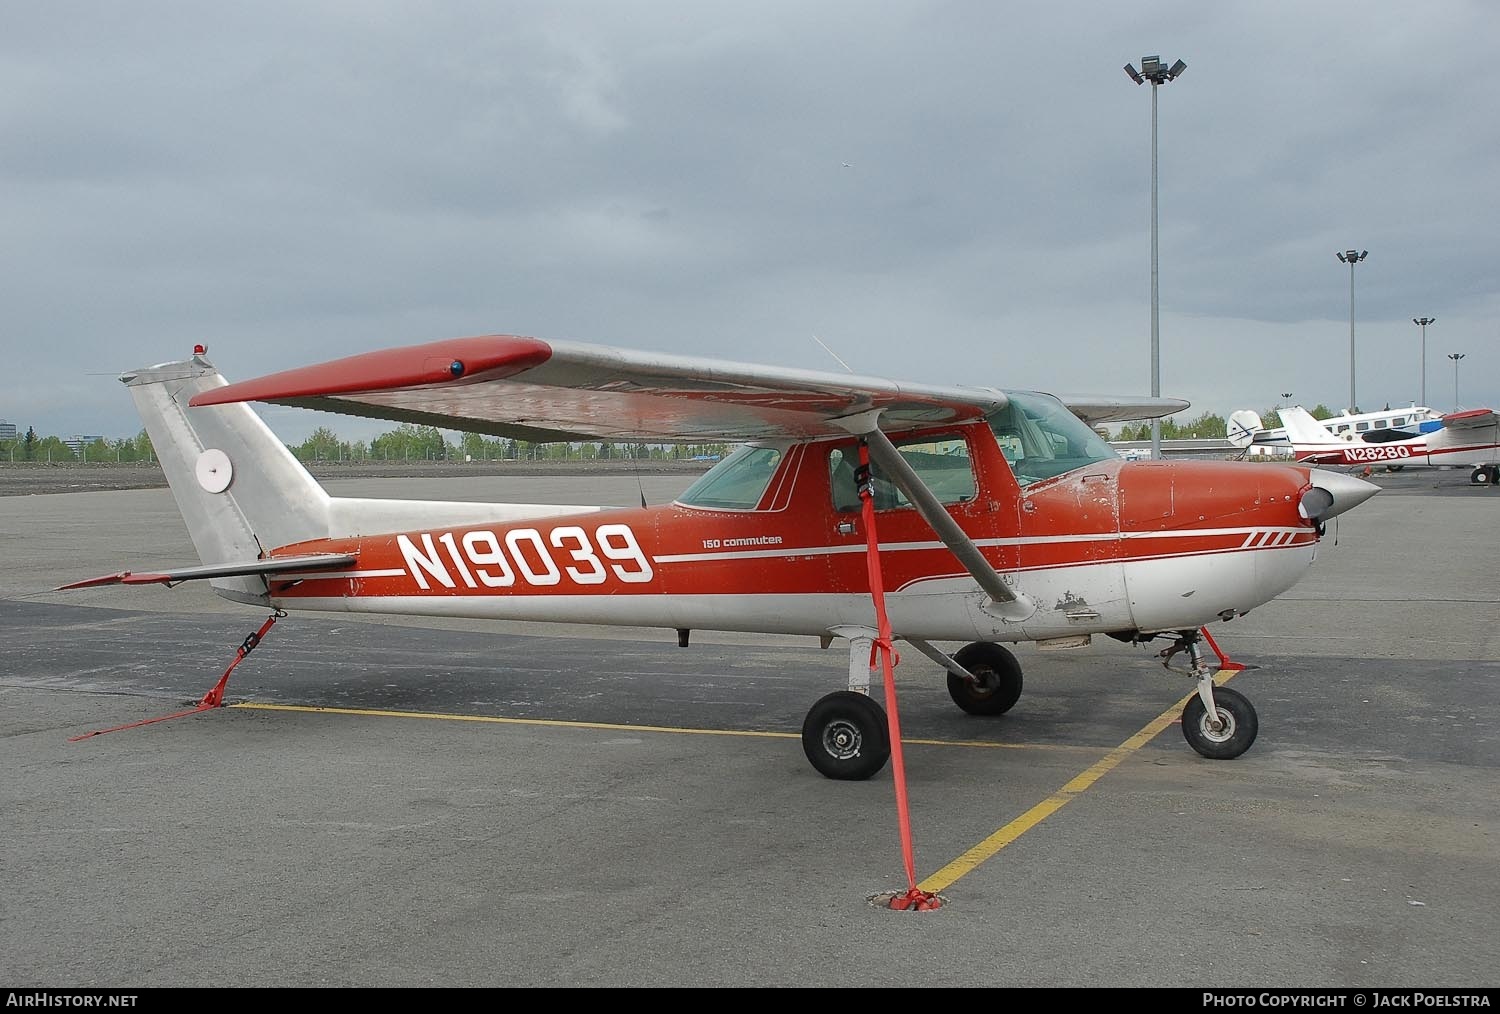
<point x="1333" y="493"/>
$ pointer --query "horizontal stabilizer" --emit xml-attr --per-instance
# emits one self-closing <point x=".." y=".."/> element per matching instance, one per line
<point x="1244" y="427"/>
<point x="282" y="565"/>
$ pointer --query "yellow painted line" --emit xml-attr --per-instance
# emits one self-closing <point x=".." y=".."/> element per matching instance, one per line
<point x="491" y="719"/>
<point x="561" y="723"/>
<point x="970" y="860"/>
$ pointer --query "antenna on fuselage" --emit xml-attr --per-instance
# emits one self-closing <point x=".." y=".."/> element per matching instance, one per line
<point x="832" y="353"/>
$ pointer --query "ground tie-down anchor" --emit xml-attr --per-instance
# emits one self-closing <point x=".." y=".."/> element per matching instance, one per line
<point x="214" y="698"/>
<point x="913" y="900"/>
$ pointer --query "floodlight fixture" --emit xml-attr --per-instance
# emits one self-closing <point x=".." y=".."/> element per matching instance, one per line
<point x="1153" y="71"/>
<point x="1351" y="258"/>
<point x="1455" y="356"/>
<point x="1422" y="323"/>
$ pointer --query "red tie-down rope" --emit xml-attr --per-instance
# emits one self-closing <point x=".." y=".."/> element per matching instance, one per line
<point x="886" y="652"/>
<point x="213" y="699"/>
<point x="1225" y="664"/>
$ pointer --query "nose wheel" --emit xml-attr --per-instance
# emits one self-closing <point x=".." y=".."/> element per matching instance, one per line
<point x="1217" y="722"/>
<point x="1225" y="734"/>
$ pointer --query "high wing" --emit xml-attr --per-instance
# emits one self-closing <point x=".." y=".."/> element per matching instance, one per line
<point x="273" y="565"/>
<point x="530" y="389"/>
<point x="1470" y="419"/>
<point x="1095" y="409"/>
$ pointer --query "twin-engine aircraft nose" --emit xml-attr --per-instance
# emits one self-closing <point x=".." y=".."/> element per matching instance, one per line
<point x="1333" y="493"/>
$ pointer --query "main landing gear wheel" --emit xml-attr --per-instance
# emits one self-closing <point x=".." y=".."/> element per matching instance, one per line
<point x="845" y="735"/>
<point x="1236" y="730"/>
<point x="1485" y="475"/>
<point x="999" y="676"/>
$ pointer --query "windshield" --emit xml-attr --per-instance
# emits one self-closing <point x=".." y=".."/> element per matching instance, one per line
<point x="736" y="483"/>
<point x="1041" y="438"/>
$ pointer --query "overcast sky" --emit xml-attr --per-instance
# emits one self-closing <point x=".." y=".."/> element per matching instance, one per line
<point x="290" y="183"/>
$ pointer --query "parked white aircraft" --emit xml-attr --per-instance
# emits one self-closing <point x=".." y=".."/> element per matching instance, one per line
<point x="1470" y="438"/>
<point x="1246" y="430"/>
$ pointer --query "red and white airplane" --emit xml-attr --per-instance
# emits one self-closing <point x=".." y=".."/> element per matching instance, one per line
<point x="857" y="508"/>
<point x="1465" y="439"/>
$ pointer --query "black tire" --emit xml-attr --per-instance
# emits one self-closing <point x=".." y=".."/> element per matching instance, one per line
<point x="999" y="679"/>
<point x="1240" y="725"/>
<point x="846" y="736"/>
<point x="1482" y="476"/>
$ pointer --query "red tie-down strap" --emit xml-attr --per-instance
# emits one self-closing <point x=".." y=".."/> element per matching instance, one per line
<point x="213" y="699"/>
<point x="1225" y="664"/>
<point x="885" y="651"/>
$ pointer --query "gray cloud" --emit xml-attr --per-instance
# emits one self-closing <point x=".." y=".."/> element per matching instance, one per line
<point x="297" y="182"/>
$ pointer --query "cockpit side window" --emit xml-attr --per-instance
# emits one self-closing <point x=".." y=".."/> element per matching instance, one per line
<point x="941" y="462"/>
<point x="1040" y="438"/>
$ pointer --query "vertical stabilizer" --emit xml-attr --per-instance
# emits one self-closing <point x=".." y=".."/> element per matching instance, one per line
<point x="240" y="491"/>
<point x="1303" y="430"/>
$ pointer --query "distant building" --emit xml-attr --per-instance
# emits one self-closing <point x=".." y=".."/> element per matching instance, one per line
<point x="77" y="443"/>
<point x="7" y="430"/>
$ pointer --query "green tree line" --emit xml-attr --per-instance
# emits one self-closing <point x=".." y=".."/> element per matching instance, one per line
<point x="409" y="442"/>
<point x="406" y="442"/>
<point x="1207" y="426"/>
<point x="29" y="446"/>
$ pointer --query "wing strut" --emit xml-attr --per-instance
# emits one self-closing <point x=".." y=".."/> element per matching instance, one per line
<point x="1011" y="606"/>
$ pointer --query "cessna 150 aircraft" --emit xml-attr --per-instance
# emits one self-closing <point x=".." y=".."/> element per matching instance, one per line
<point x="857" y="508"/>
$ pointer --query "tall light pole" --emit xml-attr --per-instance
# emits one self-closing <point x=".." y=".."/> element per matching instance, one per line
<point x="1455" y="356"/>
<point x="1153" y="71"/>
<point x="1352" y="257"/>
<point x="1422" y="323"/>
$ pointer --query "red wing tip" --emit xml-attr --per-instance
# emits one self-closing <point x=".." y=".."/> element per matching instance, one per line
<point x="123" y="577"/>
<point x="454" y="360"/>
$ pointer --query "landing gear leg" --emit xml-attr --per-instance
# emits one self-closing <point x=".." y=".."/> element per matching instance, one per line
<point x="1217" y="722"/>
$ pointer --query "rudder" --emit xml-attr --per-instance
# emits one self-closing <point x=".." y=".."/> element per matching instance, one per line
<point x="239" y="489"/>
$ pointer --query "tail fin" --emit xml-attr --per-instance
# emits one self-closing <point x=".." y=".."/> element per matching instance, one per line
<point x="239" y="489"/>
<point x="1302" y="428"/>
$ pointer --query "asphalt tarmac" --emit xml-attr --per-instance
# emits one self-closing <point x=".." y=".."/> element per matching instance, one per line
<point x="421" y="802"/>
